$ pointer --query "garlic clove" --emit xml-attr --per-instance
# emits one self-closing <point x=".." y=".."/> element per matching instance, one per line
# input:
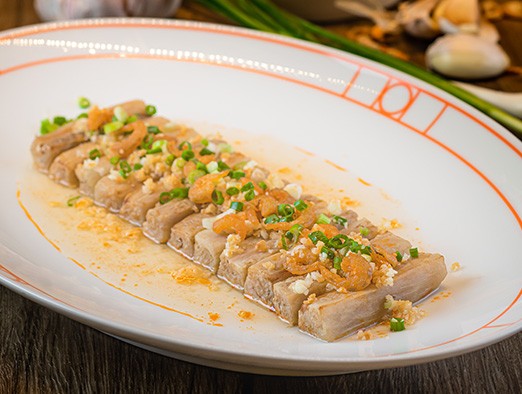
<point x="466" y="56"/>
<point x="458" y="12"/>
<point x="416" y="18"/>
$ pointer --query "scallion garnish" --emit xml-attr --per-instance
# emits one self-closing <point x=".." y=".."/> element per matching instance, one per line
<point x="222" y="166"/>
<point x="72" y="200"/>
<point x="125" y="169"/>
<point x="364" y="231"/>
<point x="170" y="159"/>
<point x="337" y="262"/>
<point x="187" y="155"/>
<point x="236" y="174"/>
<point x="317" y="236"/>
<point x="237" y="206"/>
<point x="114" y="160"/>
<point x="131" y="119"/>
<point x="183" y="144"/>
<point x="340" y="220"/>
<point x="329" y="252"/>
<point x="150" y="110"/>
<point x="300" y="205"/>
<point x="250" y="195"/>
<point x="293" y="233"/>
<point x="180" y="162"/>
<point x="201" y="166"/>
<point x="120" y="114"/>
<point x="217" y="197"/>
<point x="339" y="241"/>
<point x="112" y="127"/>
<point x="272" y="219"/>
<point x="398" y="255"/>
<point x="204" y="142"/>
<point x="83" y="115"/>
<point x="59" y="120"/>
<point x="323" y="219"/>
<point x="195" y="175"/>
<point x="232" y="191"/>
<point x="286" y="211"/>
<point x="247" y="186"/>
<point x="397" y="324"/>
<point x="263" y="185"/>
<point x="147" y="142"/>
<point x="94" y="154"/>
<point x="414" y="252"/>
<point x="153" y="130"/>
<point x="84" y="103"/>
<point x="138" y="166"/>
<point x="47" y="127"/>
<point x="178" y="192"/>
<point x="205" y="152"/>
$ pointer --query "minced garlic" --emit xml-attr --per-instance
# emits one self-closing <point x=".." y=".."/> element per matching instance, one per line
<point x="455" y="266"/>
<point x="232" y="246"/>
<point x="383" y="276"/>
<point x="403" y="309"/>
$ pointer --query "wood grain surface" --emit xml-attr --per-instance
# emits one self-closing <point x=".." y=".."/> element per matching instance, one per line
<point x="44" y="352"/>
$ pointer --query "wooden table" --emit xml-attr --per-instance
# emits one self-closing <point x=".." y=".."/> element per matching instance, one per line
<point x="42" y="351"/>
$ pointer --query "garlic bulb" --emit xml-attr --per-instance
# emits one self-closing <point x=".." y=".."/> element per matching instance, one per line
<point x="466" y="56"/>
<point x="50" y="10"/>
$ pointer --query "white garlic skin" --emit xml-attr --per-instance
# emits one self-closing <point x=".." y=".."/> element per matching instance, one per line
<point x="466" y="56"/>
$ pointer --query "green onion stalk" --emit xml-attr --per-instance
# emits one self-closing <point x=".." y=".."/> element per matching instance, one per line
<point x="265" y="16"/>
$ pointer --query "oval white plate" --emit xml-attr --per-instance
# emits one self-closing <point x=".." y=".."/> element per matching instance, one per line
<point x="451" y="174"/>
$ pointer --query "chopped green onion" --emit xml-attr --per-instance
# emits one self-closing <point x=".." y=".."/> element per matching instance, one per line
<point x="147" y="141"/>
<point x="170" y="159"/>
<point x="123" y="174"/>
<point x="150" y="110"/>
<point x="217" y="197"/>
<point x="205" y="152"/>
<point x="84" y="103"/>
<point x="247" y="186"/>
<point x="238" y="206"/>
<point x="187" y="155"/>
<point x="399" y="256"/>
<point x="340" y="241"/>
<point x="71" y="201"/>
<point x="195" y="175"/>
<point x="47" y="127"/>
<point x="125" y="166"/>
<point x="138" y="166"/>
<point x="337" y="262"/>
<point x="59" y="120"/>
<point x="340" y="220"/>
<point x="153" y="151"/>
<point x="185" y="143"/>
<point x="153" y="130"/>
<point x="272" y="219"/>
<point x="222" y="166"/>
<point x="286" y="211"/>
<point x="83" y="115"/>
<point x="131" y="119"/>
<point x="365" y="250"/>
<point x="262" y="185"/>
<point x="317" y="236"/>
<point x="224" y="147"/>
<point x="212" y="167"/>
<point x="292" y="235"/>
<point x="397" y="324"/>
<point x="323" y="219"/>
<point x="114" y="160"/>
<point x="414" y="252"/>
<point x="329" y="252"/>
<point x="232" y="191"/>
<point x="179" y="192"/>
<point x="250" y="195"/>
<point x="300" y="205"/>
<point x="236" y="174"/>
<point x="112" y="127"/>
<point x="180" y="162"/>
<point x="364" y="231"/>
<point x="240" y="165"/>
<point x="94" y="154"/>
<point x="120" y="114"/>
<point x="204" y="142"/>
<point x="201" y="166"/>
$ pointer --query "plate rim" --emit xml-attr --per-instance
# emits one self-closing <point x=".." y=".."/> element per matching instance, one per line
<point x="376" y="362"/>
